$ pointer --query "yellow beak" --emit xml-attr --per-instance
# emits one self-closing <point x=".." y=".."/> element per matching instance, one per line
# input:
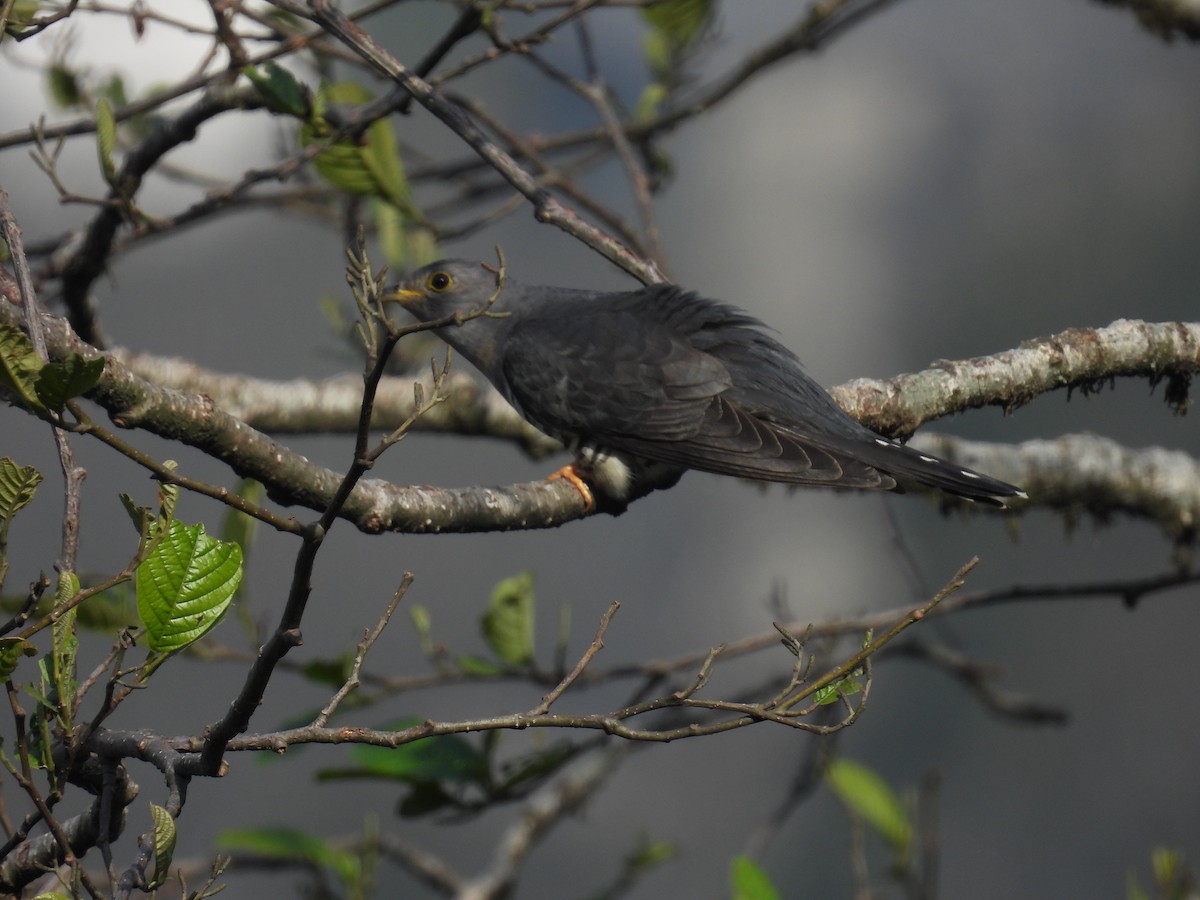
<point x="400" y="295"/>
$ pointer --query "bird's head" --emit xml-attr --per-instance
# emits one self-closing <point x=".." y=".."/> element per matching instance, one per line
<point x="468" y="298"/>
<point x="446" y="288"/>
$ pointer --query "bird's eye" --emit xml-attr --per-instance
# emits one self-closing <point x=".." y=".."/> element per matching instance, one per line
<point x="439" y="282"/>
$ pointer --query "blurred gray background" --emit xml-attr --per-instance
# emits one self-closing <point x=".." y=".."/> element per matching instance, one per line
<point x="946" y="180"/>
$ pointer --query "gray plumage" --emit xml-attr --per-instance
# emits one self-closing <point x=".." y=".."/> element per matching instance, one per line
<point x="665" y="376"/>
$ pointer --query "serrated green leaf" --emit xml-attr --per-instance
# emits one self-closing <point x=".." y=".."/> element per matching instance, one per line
<point x="508" y="623"/>
<point x="19" y="366"/>
<point x="750" y="882"/>
<point x="106" y="140"/>
<point x="279" y="89"/>
<point x="185" y="585"/>
<point x="446" y="757"/>
<point x="11" y="651"/>
<point x="869" y="796"/>
<point x="61" y="381"/>
<point x="18" y="484"/>
<point x="164" y="844"/>
<point x="291" y="844"/>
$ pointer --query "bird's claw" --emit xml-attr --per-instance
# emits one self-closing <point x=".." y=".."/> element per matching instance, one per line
<point x="571" y="473"/>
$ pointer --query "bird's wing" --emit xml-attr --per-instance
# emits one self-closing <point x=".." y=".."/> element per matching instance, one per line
<point x="595" y="374"/>
<point x="732" y="441"/>
<point x="645" y="375"/>
<point x="667" y="376"/>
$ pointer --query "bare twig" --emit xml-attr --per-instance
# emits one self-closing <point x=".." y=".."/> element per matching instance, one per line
<point x="595" y="647"/>
<point x="364" y="646"/>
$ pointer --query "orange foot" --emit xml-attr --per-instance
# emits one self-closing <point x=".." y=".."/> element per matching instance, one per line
<point x="571" y="474"/>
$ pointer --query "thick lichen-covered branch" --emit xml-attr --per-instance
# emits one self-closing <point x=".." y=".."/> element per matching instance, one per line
<point x="1079" y="359"/>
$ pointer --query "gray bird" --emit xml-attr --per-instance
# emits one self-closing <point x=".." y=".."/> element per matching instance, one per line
<point x="645" y="384"/>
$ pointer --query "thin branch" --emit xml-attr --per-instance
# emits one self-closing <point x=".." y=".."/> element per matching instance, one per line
<point x="595" y="647"/>
<point x="353" y="680"/>
<point x="546" y="208"/>
<point x="543" y="810"/>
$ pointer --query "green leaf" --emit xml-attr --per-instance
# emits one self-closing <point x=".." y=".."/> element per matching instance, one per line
<point x="382" y="159"/>
<point x="108" y="612"/>
<point x="508" y="623"/>
<point x="62" y="84"/>
<point x="113" y="89"/>
<point x="1166" y="865"/>
<point x="391" y="233"/>
<point x="473" y="665"/>
<point x="52" y="895"/>
<point x="423" y="798"/>
<point x="329" y="672"/>
<point x="106" y="140"/>
<point x="184" y="586"/>
<point x="23" y="11"/>
<point x="279" y="89"/>
<point x="368" y="167"/>
<point x="61" y="381"/>
<point x="539" y="764"/>
<point x="651" y="854"/>
<point x="424" y="628"/>
<point x="65" y="645"/>
<point x="11" y="651"/>
<point x="648" y="105"/>
<point x="446" y="757"/>
<point x="237" y="527"/>
<point x="293" y="845"/>
<point x="1133" y="890"/>
<point x="867" y="795"/>
<point x="681" y="22"/>
<point x="139" y="515"/>
<point x="18" y="484"/>
<point x="834" y="691"/>
<point x="164" y="844"/>
<point x="750" y="882"/>
<point x="168" y="496"/>
<point x="19" y="366"/>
